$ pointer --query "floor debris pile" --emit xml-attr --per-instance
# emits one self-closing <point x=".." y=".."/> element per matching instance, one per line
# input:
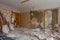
<point x="27" y="34"/>
<point x="34" y="34"/>
<point x="4" y="37"/>
<point x="52" y="35"/>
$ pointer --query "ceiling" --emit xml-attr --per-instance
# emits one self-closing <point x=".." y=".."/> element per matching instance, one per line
<point x="29" y="5"/>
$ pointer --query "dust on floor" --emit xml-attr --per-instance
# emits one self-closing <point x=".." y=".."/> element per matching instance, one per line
<point x="27" y="34"/>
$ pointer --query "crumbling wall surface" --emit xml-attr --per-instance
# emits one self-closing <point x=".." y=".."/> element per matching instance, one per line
<point x="7" y="14"/>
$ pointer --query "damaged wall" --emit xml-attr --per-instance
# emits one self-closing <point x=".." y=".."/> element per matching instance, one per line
<point x="37" y="18"/>
<point x="54" y="18"/>
<point x="22" y="19"/>
<point x="6" y="14"/>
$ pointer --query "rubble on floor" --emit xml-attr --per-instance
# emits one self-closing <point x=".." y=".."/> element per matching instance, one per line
<point x="27" y="34"/>
<point x="34" y="34"/>
<point x="4" y="37"/>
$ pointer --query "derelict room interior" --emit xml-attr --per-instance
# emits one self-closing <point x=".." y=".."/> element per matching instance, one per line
<point x="30" y="19"/>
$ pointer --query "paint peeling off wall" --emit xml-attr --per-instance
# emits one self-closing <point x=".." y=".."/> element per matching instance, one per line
<point x="7" y="14"/>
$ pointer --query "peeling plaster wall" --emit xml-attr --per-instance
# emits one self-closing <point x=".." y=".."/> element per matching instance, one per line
<point x="49" y="17"/>
<point x="7" y="15"/>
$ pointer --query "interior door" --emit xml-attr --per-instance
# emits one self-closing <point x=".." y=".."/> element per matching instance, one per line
<point x="17" y="19"/>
